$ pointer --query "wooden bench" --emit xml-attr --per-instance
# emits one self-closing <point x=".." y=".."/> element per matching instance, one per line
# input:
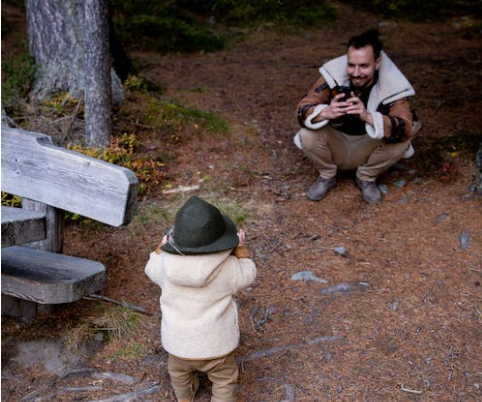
<point x="52" y="180"/>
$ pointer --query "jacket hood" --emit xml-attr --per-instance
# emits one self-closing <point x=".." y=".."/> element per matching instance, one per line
<point x="390" y="86"/>
<point x="193" y="270"/>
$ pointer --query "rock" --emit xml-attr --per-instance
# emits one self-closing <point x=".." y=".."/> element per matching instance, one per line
<point x="345" y="288"/>
<point x="340" y="250"/>
<point x="464" y="240"/>
<point x="307" y="276"/>
<point x="442" y="217"/>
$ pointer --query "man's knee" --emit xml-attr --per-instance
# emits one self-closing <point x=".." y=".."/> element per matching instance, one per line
<point x="309" y="139"/>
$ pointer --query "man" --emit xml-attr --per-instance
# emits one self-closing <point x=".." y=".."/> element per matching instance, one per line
<point x="356" y="117"/>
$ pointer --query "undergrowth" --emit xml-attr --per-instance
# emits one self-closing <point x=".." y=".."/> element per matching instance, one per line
<point x="203" y="26"/>
<point x="17" y="76"/>
<point x="118" y="326"/>
<point x="123" y="151"/>
<point x="419" y="10"/>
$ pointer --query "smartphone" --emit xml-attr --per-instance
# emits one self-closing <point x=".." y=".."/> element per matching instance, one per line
<point x="344" y="90"/>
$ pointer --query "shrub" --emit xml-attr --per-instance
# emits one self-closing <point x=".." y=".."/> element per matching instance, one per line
<point x="417" y="10"/>
<point x="17" y="77"/>
<point x="186" y="26"/>
<point x="123" y="151"/>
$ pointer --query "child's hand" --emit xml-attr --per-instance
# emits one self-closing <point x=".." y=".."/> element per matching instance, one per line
<point x="164" y="241"/>
<point x="242" y="237"/>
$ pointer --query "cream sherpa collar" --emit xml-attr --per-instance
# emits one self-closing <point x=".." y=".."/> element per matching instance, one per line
<point x="391" y="85"/>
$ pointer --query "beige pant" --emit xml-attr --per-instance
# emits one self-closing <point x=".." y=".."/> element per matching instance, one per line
<point x="223" y="372"/>
<point x="331" y="150"/>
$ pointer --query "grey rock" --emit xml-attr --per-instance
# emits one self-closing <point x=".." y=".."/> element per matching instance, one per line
<point x="464" y="240"/>
<point x="307" y="276"/>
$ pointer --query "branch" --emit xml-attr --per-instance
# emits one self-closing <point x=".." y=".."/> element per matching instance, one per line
<point x="121" y="303"/>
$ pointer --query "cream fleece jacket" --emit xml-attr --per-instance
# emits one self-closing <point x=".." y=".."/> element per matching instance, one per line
<point x="199" y="313"/>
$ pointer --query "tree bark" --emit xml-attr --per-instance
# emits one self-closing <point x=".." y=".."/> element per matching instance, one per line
<point x="56" y="43"/>
<point x="69" y="40"/>
<point x="97" y="73"/>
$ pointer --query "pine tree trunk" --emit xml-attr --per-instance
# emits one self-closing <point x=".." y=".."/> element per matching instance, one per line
<point x="56" y="42"/>
<point x="97" y="73"/>
<point x="69" y="40"/>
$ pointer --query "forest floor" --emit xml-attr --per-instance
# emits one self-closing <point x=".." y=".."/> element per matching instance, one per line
<point x="396" y="311"/>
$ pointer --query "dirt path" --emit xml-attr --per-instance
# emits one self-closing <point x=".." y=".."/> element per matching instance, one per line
<point x="396" y="315"/>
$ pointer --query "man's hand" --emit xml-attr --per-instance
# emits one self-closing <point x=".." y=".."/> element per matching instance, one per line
<point x="357" y="108"/>
<point x="337" y="107"/>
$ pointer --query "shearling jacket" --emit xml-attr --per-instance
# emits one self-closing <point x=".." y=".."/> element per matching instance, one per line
<point x="387" y="101"/>
<point x="199" y="313"/>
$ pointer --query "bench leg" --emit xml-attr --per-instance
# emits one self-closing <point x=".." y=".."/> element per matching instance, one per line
<point x="24" y="309"/>
<point x="55" y="226"/>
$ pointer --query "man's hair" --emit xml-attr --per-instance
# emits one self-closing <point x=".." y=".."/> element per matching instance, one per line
<point x="368" y="38"/>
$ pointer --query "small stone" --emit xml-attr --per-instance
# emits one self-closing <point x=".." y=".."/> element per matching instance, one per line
<point x="464" y="240"/>
<point x="307" y="276"/>
<point x="441" y="217"/>
<point x="340" y="250"/>
<point x="400" y="183"/>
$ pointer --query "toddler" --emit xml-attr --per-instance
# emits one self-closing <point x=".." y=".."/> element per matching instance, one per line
<point x="199" y="267"/>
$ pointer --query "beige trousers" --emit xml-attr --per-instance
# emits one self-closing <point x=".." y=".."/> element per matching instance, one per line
<point x="223" y="372"/>
<point x="331" y="150"/>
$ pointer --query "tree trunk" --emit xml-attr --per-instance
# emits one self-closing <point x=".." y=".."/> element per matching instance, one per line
<point x="56" y="43"/>
<point x="97" y="73"/>
<point x="64" y="37"/>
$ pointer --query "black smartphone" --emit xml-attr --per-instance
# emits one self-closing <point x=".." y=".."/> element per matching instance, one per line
<point x="344" y="90"/>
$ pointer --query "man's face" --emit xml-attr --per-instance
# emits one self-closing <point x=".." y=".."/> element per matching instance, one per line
<point x="362" y="66"/>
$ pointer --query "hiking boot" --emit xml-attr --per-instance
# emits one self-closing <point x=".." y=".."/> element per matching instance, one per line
<point x="371" y="193"/>
<point x="320" y="188"/>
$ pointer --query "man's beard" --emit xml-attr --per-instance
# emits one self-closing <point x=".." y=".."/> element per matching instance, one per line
<point x="363" y="85"/>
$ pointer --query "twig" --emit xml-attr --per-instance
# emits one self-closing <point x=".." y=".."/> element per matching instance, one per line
<point x="278" y="243"/>
<point x="74" y="115"/>
<point x="182" y="189"/>
<point x="132" y="396"/>
<point x="410" y="391"/>
<point x="258" y="354"/>
<point x="121" y="303"/>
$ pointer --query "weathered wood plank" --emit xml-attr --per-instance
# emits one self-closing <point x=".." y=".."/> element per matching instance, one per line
<point x="49" y="278"/>
<point x="33" y="167"/>
<point x="55" y="218"/>
<point x="20" y="226"/>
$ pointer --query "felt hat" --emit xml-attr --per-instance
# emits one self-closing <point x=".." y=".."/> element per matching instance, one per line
<point x="200" y="228"/>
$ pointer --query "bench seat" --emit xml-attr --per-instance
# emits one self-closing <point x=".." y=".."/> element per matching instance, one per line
<point x="49" y="278"/>
<point x="20" y="226"/>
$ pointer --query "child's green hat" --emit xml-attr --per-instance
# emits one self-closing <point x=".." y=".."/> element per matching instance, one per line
<point x="200" y="228"/>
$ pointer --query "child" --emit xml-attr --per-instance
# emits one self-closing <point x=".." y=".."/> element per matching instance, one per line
<point x="199" y="268"/>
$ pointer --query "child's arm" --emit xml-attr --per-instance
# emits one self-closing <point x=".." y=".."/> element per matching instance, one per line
<point x="152" y="267"/>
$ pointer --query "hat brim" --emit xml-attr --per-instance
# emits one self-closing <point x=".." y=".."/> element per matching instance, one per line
<point x="228" y="241"/>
